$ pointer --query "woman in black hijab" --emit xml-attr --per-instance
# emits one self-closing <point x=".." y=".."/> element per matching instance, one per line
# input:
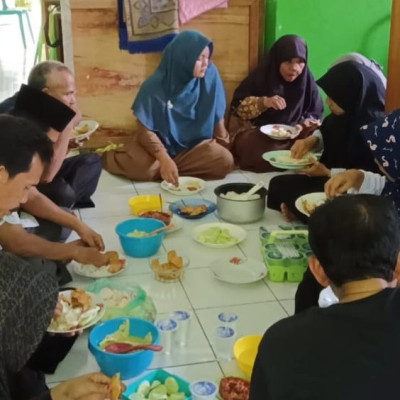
<point x="27" y="303"/>
<point x="281" y="90"/>
<point x="356" y="96"/>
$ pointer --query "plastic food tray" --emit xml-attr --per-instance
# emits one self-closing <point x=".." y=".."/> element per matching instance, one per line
<point x="285" y="252"/>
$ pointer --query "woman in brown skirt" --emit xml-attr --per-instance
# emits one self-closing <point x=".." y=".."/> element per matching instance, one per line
<point x="180" y="111"/>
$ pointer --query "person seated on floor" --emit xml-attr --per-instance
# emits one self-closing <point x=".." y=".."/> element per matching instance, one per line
<point x="383" y="139"/>
<point x="15" y="157"/>
<point x="368" y="62"/>
<point x="70" y="181"/>
<point x="180" y="115"/>
<point x="28" y="302"/>
<point x="356" y="96"/>
<point x="349" y="350"/>
<point x="27" y="297"/>
<point x="281" y="90"/>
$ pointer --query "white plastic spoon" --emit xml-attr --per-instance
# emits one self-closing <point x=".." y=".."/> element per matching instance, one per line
<point x="254" y="189"/>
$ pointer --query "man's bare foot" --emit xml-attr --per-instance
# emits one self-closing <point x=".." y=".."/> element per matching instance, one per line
<point x="286" y="213"/>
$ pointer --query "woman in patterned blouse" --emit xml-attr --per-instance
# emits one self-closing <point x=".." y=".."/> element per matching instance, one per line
<point x="281" y="90"/>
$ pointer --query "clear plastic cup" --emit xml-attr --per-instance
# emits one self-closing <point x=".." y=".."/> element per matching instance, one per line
<point x="167" y="328"/>
<point x="228" y="319"/>
<point x="224" y="341"/>
<point x="183" y="319"/>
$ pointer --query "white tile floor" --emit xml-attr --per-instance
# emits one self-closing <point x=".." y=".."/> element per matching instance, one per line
<point x="258" y="305"/>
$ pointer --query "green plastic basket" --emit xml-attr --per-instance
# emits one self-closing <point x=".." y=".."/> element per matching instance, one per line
<point x="285" y="252"/>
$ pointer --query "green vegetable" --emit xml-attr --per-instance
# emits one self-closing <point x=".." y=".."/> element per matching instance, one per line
<point x="172" y="385"/>
<point x="158" y="396"/>
<point x="144" y="388"/>
<point x="159" y="391"/>
<point x="177" y="396"/>
<point x="216" y="235"/>
<point x="154" y="384"/>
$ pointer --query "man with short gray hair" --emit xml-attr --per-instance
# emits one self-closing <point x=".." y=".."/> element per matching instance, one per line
<point x="69" y="182"/>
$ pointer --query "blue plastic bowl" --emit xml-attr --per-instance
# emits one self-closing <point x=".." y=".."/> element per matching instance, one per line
<point x="130" y="364"/>
<point x="140" y="247"/>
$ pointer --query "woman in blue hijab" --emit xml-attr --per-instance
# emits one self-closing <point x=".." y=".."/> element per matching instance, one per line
<point x="179" y="110"/>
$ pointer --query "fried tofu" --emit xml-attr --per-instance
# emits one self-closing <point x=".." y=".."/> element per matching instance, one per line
<point x="79" y="298"/>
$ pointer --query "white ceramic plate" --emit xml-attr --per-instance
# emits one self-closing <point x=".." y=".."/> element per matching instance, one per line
<point x="280" y="131"/>
<point x="84" y="129"/>
<point x="188" y="186"/>
<point x="91" y="271"/>
<point x="238" y="270"/>
<point x="97" y="315"/>
<point x="313" y="199"/>
<point x="236" y="231"/>
<point x="282" y="159"/>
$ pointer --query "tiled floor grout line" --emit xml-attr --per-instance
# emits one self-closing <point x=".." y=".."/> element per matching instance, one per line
<point x="202" y="328"/>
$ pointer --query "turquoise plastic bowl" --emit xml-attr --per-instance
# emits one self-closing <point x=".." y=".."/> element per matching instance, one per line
<point x="140" y="247"/>
<point x="130" y="364"/>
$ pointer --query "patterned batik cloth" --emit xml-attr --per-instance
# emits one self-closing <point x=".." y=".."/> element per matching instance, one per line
<point x="147" y="25"/>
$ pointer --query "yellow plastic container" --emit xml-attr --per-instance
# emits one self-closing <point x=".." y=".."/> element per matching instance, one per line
<point x="245" y="351"/>
<point x="147" y="202"/>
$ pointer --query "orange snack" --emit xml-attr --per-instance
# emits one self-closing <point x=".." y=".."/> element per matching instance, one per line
<point x="115" y="387"/>
<point x="79" y="298"/>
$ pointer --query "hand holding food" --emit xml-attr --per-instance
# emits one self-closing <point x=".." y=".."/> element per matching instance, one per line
<point x="342" y="182"/>
<point x="316" y="169"/>
<point x="116" y="387"/>
<point x="169" y="171"/>
<point x="303" y="146"/>
<point x="89" y="255"/>
<point x="95" y="386"/>
<point x="275" y="102"/>
<point x="75" y="311"/>
<point x="90" y="237"/>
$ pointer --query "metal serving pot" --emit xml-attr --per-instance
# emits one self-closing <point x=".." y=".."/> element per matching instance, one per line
<point x="240" y="211"/>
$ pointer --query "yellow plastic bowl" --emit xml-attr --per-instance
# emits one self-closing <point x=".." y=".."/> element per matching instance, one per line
<point x="147" y="202"/>
<point x="245" y="351"/>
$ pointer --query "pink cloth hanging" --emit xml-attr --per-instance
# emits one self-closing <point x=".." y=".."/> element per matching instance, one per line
<point x="189" y="9"/>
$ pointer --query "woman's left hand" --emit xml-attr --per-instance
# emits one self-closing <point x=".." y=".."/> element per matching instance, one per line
<point x="316" y="169"/>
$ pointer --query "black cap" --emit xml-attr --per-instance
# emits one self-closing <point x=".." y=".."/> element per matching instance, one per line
<point x="42" y="108"/>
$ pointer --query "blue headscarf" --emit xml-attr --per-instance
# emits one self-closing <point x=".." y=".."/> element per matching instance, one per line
<point x="180" y="109"/>
<point x="383" y="138"/>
